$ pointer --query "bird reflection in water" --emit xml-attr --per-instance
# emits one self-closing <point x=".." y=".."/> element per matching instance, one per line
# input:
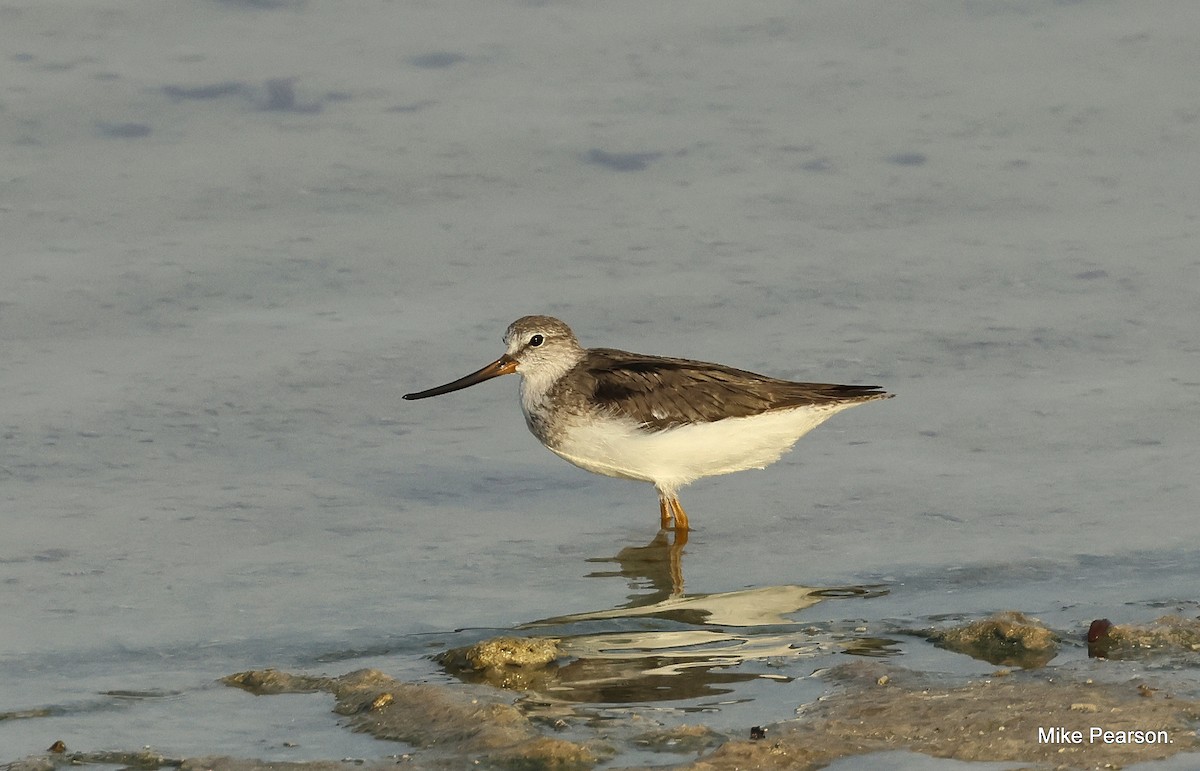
<point x="663" y="645"/>
<point x="660" y="561"/>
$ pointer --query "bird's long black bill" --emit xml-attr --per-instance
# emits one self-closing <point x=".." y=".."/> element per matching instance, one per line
<point x="505" y="365"/>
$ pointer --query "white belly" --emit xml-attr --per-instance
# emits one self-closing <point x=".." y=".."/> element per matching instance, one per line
<point x="676" y="456"/>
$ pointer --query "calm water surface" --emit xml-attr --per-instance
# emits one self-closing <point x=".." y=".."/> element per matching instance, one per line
<point x="236" y="232"/>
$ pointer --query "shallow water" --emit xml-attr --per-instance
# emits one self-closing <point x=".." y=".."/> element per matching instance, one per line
<point x="236" y="232"/>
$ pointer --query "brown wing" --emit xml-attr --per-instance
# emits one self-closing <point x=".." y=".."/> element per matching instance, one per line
<point x="661" y="393"/>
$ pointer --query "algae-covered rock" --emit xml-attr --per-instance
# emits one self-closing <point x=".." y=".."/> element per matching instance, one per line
<point x="429" y="716"/>
<point x="1166" y="635"/>
<point x="262" y="682"/>
<point x="1009" y="639"/>
<point x="545" y="753"/>
<point x="515" y="663"/>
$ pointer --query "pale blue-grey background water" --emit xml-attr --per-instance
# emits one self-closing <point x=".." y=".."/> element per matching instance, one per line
<point x="234" y="233"/>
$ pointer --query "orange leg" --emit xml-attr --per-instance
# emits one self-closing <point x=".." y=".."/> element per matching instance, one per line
<point x="670" y="510"/>
<point x="664" y="514"/>
<point x="679" y="515"/>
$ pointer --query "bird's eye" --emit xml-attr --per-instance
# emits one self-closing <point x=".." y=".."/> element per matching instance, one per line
<point x="536" y="340"/>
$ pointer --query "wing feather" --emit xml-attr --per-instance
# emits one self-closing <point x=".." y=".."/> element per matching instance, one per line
<point x="662" y="393"/>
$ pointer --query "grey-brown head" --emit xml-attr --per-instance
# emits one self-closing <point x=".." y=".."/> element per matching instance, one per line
<point x="540" y="348"/>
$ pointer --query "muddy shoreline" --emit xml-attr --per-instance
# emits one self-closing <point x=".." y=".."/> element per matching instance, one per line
<point x="1023" y="712"/>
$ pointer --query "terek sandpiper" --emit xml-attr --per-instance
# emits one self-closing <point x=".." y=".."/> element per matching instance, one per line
<point x="650" y="418"/>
